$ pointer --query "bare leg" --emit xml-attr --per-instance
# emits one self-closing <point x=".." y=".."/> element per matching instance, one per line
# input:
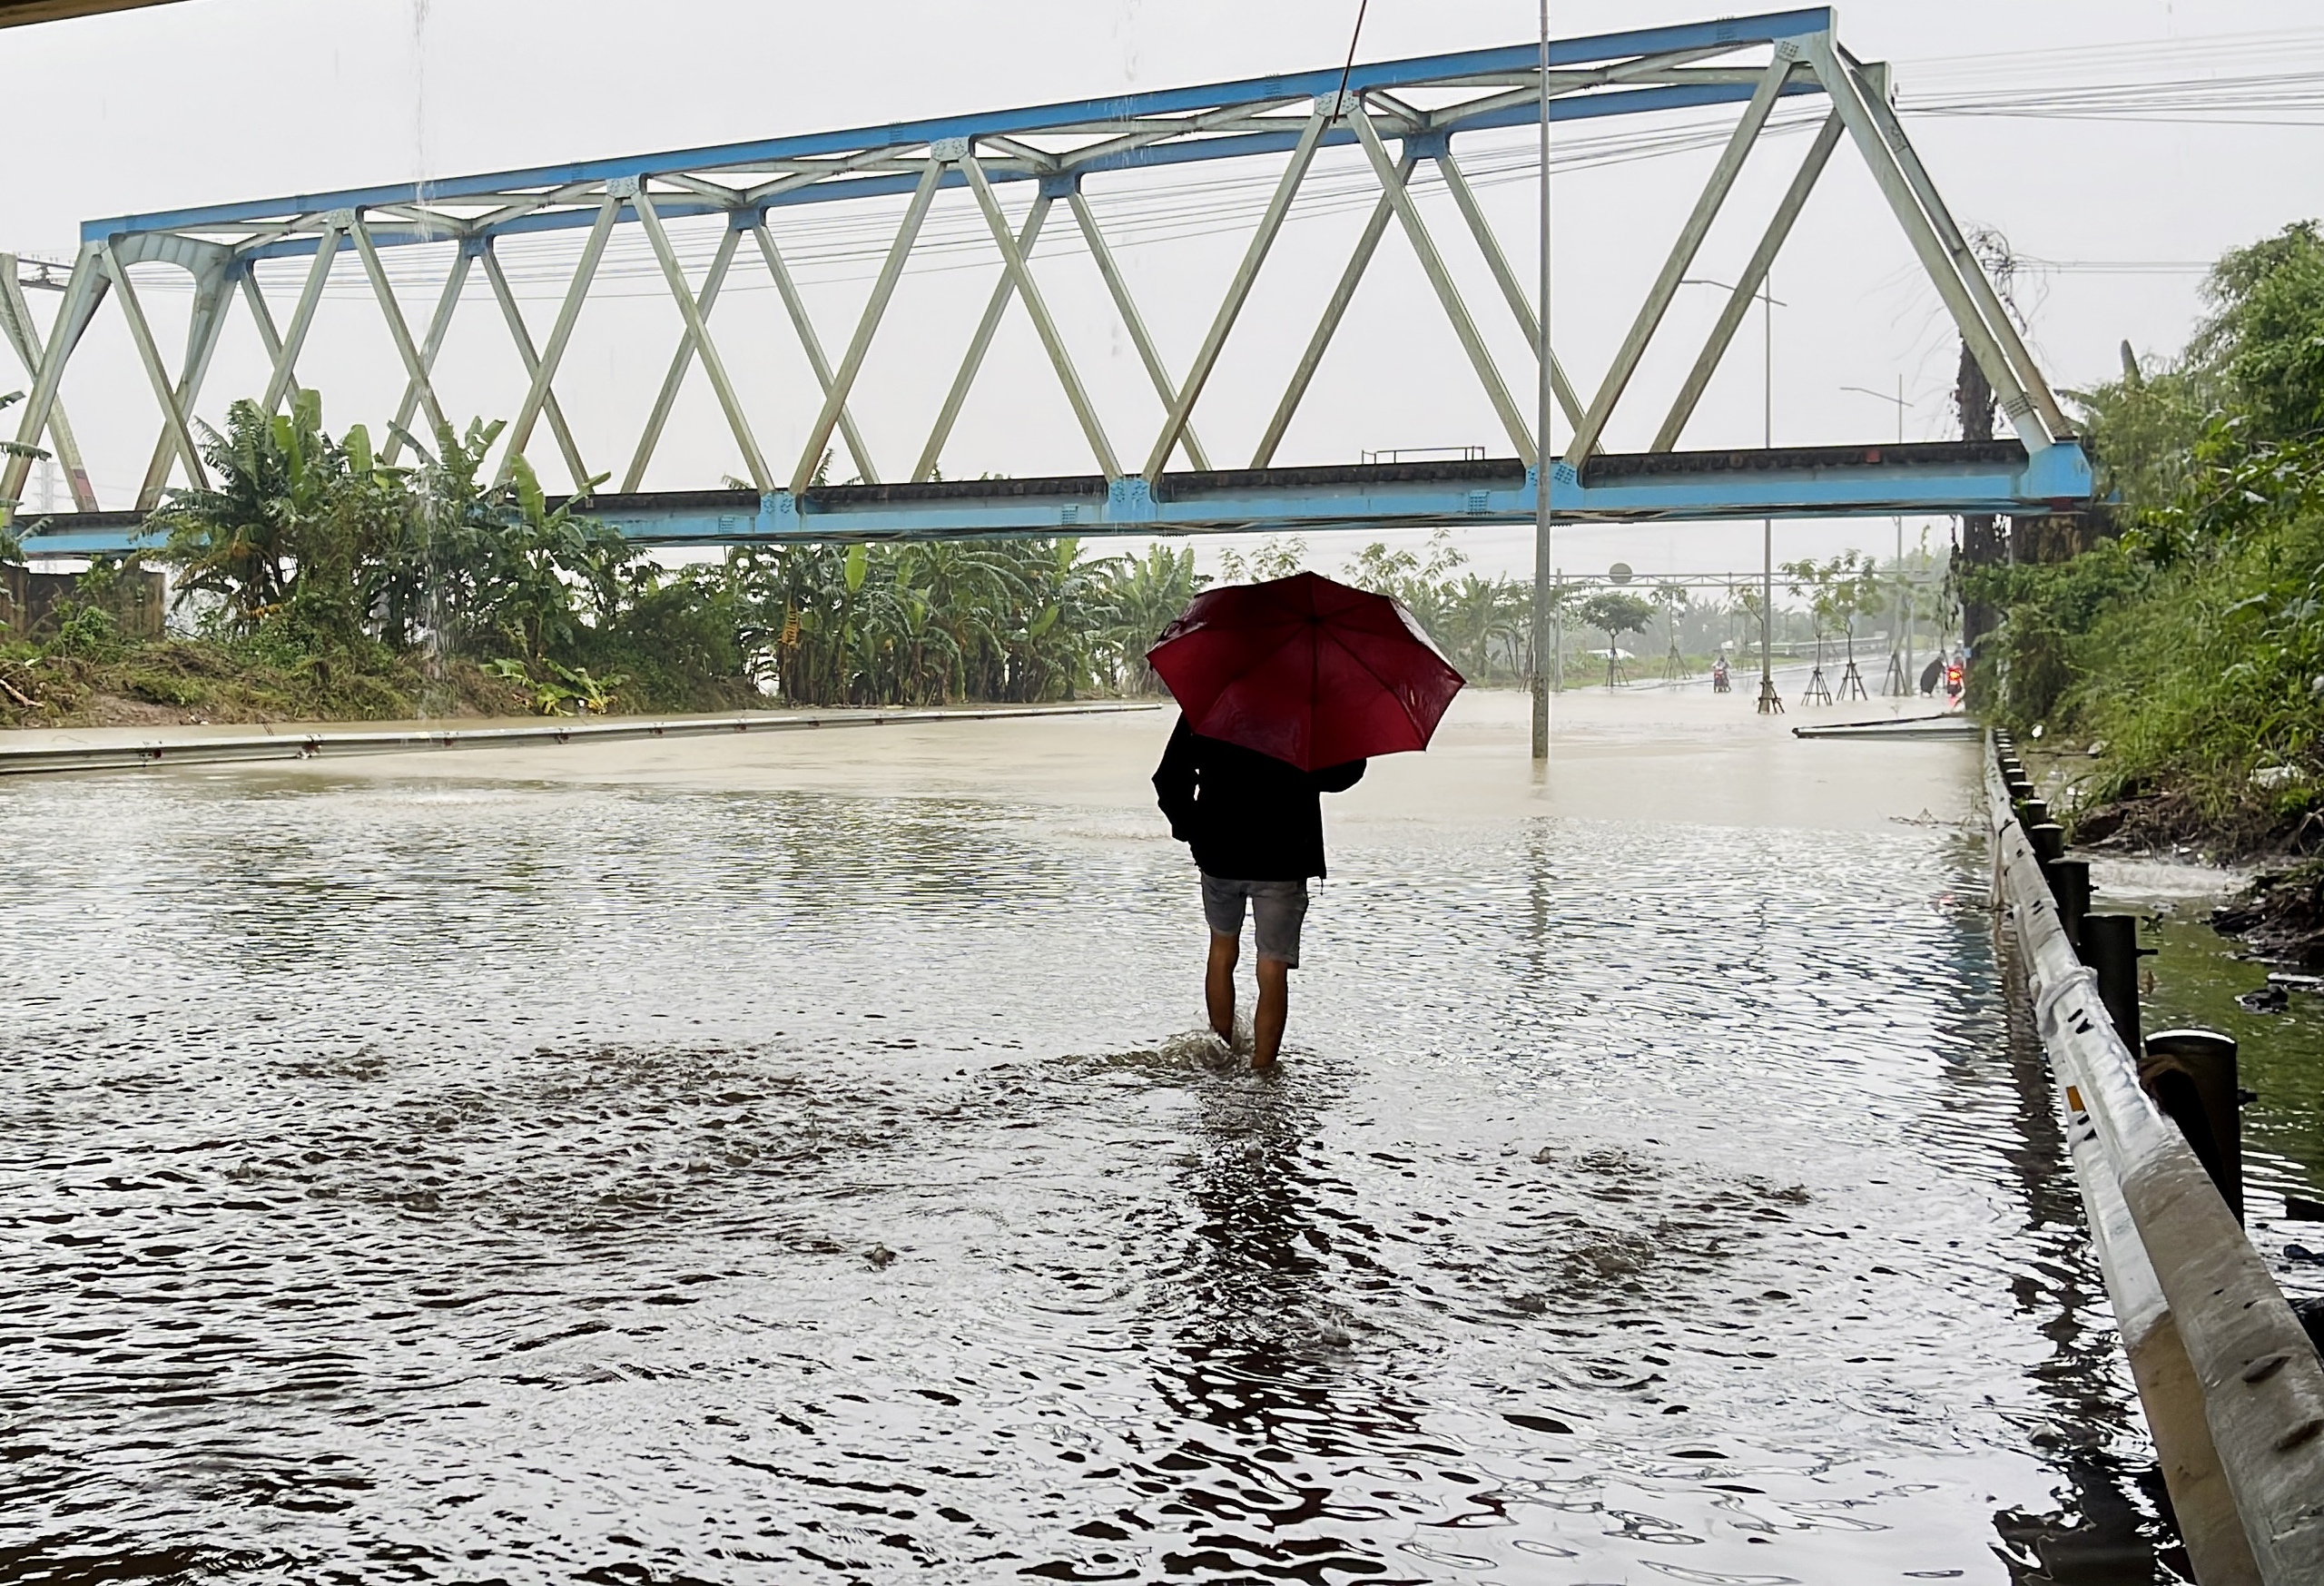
<point x="1218" y="985"/>
<point x="1275" y="1007"/>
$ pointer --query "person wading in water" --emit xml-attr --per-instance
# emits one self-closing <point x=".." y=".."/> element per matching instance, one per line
<point x="1256" y="824"/>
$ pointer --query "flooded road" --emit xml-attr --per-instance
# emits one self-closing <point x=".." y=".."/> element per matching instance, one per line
<point x="734" y="1170"/>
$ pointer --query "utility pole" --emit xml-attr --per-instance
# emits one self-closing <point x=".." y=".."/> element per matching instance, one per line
<point x="1904" y="589"/>
<point x="1770" y="702"/>
<point x="1543" y="451"/>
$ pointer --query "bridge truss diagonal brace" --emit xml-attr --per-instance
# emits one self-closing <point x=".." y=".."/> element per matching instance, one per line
<point x="1335" y="310"/>
<point x="531" y="358"/>
<point x="398" y="332"/>
<point x="268" y="335"/>
<point x="140" y="334"/>
<point x="1512" y="291"/>
<point x="680" y="361"/>
<point x="1932" y="201"/>
<point x="568" y="313"/>
<point x="1747" y="285"/>
<point x="858" y="347"/>
<point x="995" y="308"/>
<point x="16" y="321"/>
<point x="1239" y="291"/>
<point x="1393" y="185"/>
<point x="1132" y="321"/>
<point x="1944" y="268"/>
<point x="699" y="333"/>
<point x="1707" y="205"/>
<point x="213" y="288"/>
<point x="1013" y="258"/>
<point x="302" y="317"/>
<point x="439" y="325"/>
<point x="796" y="306"/>
<point x="84" y="290"/>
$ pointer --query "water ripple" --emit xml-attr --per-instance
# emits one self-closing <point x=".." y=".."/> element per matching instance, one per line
<point x="434" y="1183"/>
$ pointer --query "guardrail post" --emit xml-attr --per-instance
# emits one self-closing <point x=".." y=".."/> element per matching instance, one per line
<point x="2110" y="946"/>
<point x="2191" y="1074"/>
<point x="2070" y="884"/>
<point x="2049" y="841"/>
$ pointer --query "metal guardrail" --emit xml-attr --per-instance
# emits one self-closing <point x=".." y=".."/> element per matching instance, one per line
<point x="18" y="759"/>
<point x="2233" y="1390"/>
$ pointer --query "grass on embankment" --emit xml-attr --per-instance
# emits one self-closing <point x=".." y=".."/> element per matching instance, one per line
<point x="178" y="682"/>
<point x="174" y="682"/>
<point x="2200" y="684"/>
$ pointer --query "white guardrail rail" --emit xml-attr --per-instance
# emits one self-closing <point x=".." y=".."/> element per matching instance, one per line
<point x="307" y="745"/>
<point x="2232" y="1388"/>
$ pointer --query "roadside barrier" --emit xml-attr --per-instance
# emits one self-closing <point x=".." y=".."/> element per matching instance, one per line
<point x="2232" y="1388"/>
<point x="17" y="760"/>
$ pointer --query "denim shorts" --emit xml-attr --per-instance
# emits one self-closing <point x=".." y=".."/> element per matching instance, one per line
<point x="1276" y="910"/>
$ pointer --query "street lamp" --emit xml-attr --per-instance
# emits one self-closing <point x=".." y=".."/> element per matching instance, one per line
<point x="1904" y="593"/>
<point x="1770" y="702"/>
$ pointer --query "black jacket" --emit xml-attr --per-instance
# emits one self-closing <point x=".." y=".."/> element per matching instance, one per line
<point x="1248" y="816"/>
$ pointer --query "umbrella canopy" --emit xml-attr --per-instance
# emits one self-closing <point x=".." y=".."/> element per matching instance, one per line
<point x="1305" y="669"/>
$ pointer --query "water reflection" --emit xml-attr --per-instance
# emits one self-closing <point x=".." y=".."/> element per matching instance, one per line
<point x="455" y="1184"/>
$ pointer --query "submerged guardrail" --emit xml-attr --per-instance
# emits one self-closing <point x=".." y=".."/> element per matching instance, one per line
<point x="22" y="759"/>
<point x="2233" y="1387"/>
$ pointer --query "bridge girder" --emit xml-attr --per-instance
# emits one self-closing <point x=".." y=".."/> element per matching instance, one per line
<point x="1792" y="482"/>
<point x="1420" y="106"/>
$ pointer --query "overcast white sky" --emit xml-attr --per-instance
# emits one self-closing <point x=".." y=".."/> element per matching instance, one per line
<point x="218" y="100"/>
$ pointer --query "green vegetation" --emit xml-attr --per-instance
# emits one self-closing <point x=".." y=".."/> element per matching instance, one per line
<point x="2190" y="651"/>
<point x="314" y="579"/>
<point x="319" y="582"/>
<point x="1614" y="613"/>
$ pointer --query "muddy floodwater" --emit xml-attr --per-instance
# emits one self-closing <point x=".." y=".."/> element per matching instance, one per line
<point x="794" y="1161"/>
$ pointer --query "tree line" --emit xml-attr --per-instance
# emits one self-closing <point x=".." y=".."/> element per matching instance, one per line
<point x="313" y="552"/>
<point x="2188" y="651"/>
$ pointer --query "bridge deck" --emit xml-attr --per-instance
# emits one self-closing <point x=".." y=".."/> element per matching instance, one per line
<point x="1919" y="478"/>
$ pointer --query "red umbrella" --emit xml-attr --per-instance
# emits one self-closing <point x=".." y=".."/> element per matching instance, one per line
<point x="1307" y="670"/>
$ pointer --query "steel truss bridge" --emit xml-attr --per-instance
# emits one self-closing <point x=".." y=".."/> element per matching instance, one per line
<point x="1399" y="113"/>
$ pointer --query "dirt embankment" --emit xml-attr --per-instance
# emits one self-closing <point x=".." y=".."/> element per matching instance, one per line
<point x="2281" y="916"/>
<point x="190" y="683"/>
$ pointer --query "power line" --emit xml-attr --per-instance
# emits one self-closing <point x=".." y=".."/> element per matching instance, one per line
<point x="845" y="247"/>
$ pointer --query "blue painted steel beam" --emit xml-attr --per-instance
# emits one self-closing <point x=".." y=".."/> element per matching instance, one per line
<point x="1924" y="478"/>
<point x="1236" y="146"/>
<point x="1239" y="145"/>
<point x="1734" y="32"/>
